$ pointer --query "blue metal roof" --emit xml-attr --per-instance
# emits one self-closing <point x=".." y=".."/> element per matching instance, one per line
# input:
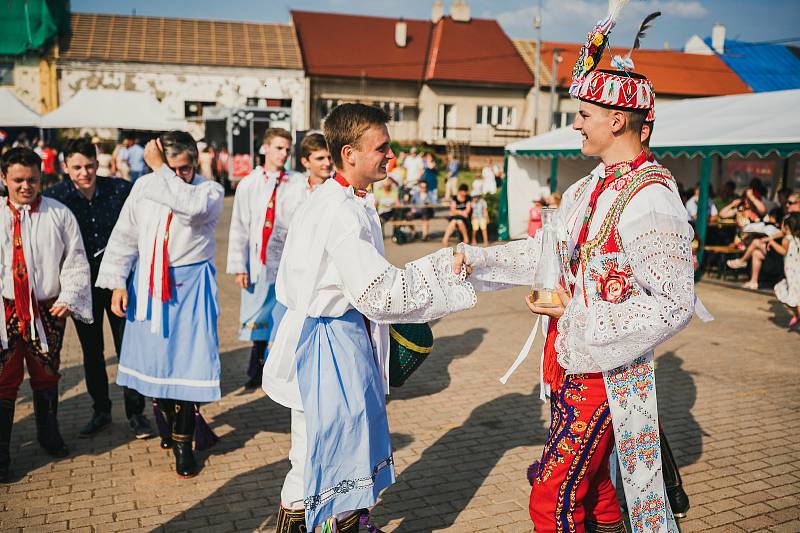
<point x="764" y="67"/>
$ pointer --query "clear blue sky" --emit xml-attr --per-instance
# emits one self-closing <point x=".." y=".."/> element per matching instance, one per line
<point x="563" y="20"/>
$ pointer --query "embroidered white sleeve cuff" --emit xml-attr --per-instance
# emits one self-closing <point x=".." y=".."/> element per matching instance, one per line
<point x="424" y="290"/>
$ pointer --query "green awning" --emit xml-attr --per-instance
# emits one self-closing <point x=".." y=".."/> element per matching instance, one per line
<point x="27" y="25"/>
<point x="731" y="150"/>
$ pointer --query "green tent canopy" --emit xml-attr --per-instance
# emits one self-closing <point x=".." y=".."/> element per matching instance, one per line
<point x="31" y="24"/>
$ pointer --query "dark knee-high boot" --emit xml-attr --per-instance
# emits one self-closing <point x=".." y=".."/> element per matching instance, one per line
<point x="678" y="499"/>
<point x="291" y="521"/>
<point x="164" y="412"/>
<point x="255" y="367"/>
<point x="6" y="422"/>
<point x="45" y="408"/>
<point x="182" y="438"/>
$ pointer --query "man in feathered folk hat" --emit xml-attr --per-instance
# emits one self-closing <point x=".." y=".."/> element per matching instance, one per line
<point x="628" y="286"/>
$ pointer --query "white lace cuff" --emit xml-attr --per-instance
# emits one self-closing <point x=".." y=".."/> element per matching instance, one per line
<point x="573" y="354"/>
<point x="502" y="266"/>
<point x="426" y="289"/>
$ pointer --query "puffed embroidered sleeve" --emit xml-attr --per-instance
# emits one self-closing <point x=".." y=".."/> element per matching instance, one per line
<point x="608" y="335"/>
<point x="424" y="290"/>
<point x="74" y="278"/>
<point x="122" y="249"/>
<point x="195" y="205"/>
<point x="502" y="266"/>
<point x="239" y="233"/>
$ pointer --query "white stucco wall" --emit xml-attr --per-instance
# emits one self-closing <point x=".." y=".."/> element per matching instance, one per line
<point x="175" y="84"/>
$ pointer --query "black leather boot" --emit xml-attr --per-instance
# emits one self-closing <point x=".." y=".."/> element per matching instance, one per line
<point x="166" y="423"/>
<point x="678" y="499"/>
<point x="291" y="521"/>
<point x="6" y="422"/>
<point x="182" y="436"/>
<point x="45" y="408"/>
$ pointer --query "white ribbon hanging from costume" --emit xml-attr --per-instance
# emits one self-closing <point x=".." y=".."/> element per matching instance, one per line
<point x="156" y="234"/>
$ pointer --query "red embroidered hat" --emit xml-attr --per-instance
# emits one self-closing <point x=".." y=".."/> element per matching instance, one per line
<point x="620" y="88"/>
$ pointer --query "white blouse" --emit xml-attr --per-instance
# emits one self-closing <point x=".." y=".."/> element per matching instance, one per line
<point x="333" y="262"/>
<point x="249" y="214"/>
<point x="54" y="256"/>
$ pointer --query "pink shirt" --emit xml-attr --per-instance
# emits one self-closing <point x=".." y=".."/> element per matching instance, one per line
<point x="534" y="220"/>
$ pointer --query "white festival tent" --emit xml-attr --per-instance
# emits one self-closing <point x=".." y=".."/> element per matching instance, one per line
<point x="107" y="108"/>
<point x="689" y="138"/>
<point x="15" y="114"/>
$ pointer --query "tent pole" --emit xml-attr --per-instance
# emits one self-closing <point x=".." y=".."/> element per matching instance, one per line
<point x="502" y="208"/>
<point x="553" y="174"/>
<point x="701" y="225"/>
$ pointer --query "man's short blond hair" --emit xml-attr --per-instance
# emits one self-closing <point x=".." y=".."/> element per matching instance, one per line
<point x="271" y="133"/>
<point x="345" y="125"/>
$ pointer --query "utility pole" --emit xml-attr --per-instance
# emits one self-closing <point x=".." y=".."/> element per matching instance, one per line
<point x="537" y="25"/>
<point x="554" y="86"/>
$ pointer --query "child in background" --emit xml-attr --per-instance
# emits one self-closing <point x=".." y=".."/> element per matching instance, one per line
<point x="535" y="217"/>
<point x="788" y="290"/>
<point x="480" y="216"/>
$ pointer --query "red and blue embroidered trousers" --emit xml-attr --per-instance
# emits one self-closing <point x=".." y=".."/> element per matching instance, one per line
<point x="572" y="490"/>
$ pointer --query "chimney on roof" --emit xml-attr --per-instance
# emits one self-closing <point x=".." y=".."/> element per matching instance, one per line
<point x="437" y="12"/>
<point x="401" y="33"/>
<point x="459" y="11"/>
<point x="718" y="38"/>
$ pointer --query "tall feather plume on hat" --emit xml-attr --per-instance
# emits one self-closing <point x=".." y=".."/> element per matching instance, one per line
<point x="596" y="42"/>
<point x="626" y="62"/>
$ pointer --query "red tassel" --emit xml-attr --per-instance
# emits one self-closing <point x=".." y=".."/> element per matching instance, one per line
<point x="166" y="292"/>
<point x="552" y="372"/>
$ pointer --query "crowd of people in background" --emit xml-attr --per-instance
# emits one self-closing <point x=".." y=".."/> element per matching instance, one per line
<point x="123" y="159"/>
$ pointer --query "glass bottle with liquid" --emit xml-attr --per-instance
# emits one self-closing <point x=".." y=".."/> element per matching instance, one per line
<point x="549" y="267"/>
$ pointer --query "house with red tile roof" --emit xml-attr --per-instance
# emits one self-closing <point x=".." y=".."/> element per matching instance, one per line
<point x="450" y="79"/>
<point x="675" y="75"/>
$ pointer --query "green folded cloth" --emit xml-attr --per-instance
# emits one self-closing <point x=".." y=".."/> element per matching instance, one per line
<point x="409" y="345"/>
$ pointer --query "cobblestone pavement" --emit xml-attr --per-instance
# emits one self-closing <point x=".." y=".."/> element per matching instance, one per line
<point x="729" y="399"/>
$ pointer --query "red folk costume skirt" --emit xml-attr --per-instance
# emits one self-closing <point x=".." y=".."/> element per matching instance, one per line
<point x="572" y="490"/>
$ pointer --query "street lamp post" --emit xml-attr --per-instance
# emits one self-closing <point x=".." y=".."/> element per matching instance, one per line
<point x="554" y="86"/>
<point x="537" y="25"/>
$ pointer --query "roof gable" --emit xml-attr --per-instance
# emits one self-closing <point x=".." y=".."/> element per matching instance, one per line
<point x="97" y="37"/>
<point x="477" y="51"/>
<point x="355" y="46"/>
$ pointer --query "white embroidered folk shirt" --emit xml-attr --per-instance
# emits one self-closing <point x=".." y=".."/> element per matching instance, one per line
<point x="141" y="228"/>
<point x="333" y="262"/>
<point x="249" y="214"/>
<point x="54" y="256"/>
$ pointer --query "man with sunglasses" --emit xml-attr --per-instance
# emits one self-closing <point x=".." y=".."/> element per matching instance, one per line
<point x="96" y="201"/>
<point x="165" y="238"/>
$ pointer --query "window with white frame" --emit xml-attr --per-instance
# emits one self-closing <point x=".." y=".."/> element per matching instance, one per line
<point x="496" y="115"/>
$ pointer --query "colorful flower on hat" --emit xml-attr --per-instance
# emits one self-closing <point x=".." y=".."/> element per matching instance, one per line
<point x="598" y="39"/>
<point x="588" y="62"/>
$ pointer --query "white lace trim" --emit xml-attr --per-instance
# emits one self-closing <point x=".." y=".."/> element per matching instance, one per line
<point x="501" y="266"/>
<point x="76" y="286"/>
<point x="424" y="290"/>
<point x="609" y="335"/>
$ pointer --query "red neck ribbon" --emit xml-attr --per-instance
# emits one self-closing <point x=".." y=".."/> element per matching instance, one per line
<point x="22" y="287"/>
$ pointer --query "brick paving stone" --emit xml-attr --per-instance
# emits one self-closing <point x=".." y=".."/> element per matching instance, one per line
<point x="462" y="440"/>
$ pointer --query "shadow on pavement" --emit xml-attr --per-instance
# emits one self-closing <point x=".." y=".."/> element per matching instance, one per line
<point x="247" y="502"/>
<point x="433" y="375"/>
<point x="780" y="315"/>
<point x="431" y="492"/>
<point x="677" y="394"/>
